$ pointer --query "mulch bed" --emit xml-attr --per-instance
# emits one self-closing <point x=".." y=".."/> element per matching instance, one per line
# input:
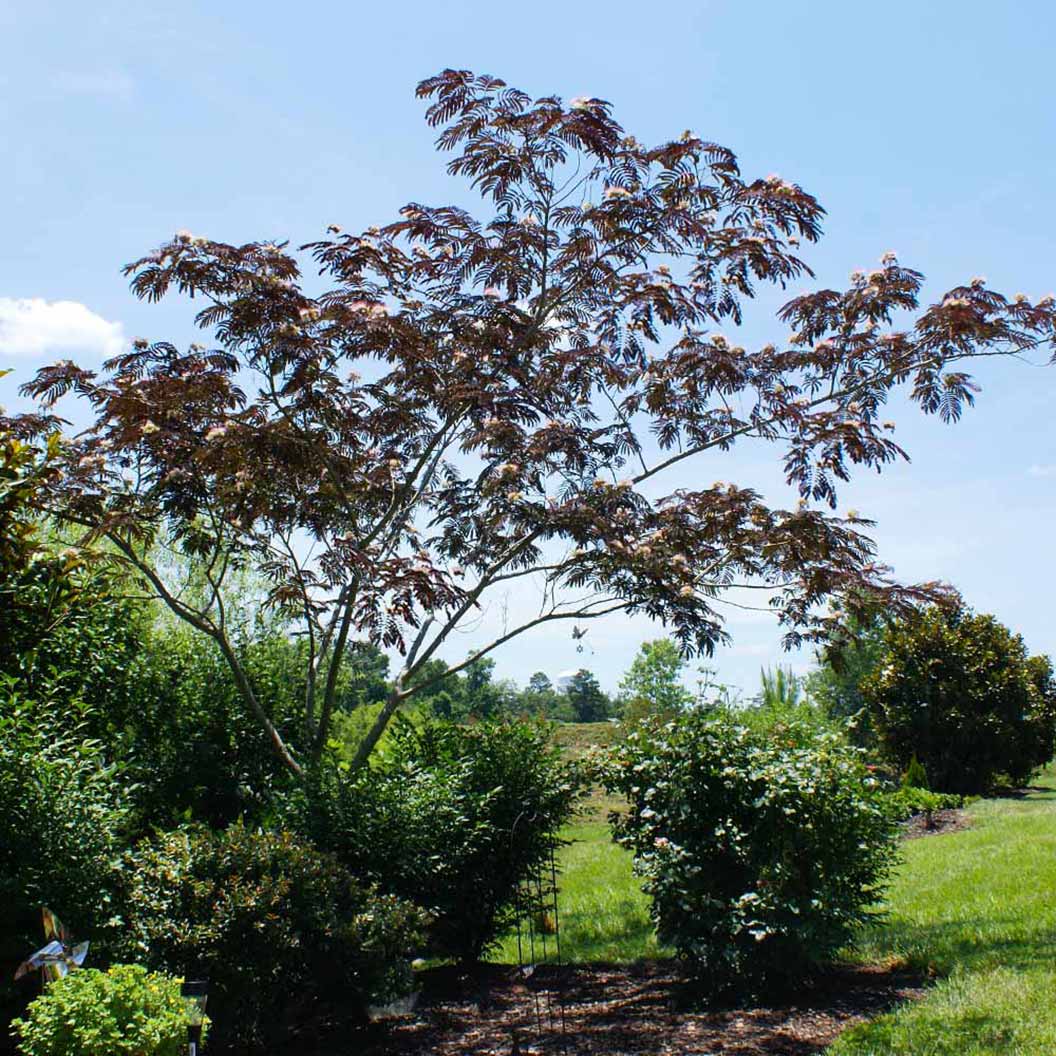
<point x="612" y="1010"/>
<point x="941" y="821"/>
<point x="642" y="1009"/>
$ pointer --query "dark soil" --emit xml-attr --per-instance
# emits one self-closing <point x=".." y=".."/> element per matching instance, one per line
<point x="1020" y="793"/>
<point x="612" y="1010"/>
<point x="940" y="821"/>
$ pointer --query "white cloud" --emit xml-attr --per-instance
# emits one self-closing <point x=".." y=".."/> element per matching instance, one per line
<point x="31" y="327"/>
<point x="1042" y="471"/>
<point x="754" y="649"/>
<point x="113" y="85"/>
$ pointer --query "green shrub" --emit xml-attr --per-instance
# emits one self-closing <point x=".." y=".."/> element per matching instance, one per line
<point x="915" y="776"/>
<point x="760" y="854"/>
<point x="456" y="818"/>
<point x="121" y="1012"/>
<point x="908" y="800"/>
<point x="62" y="821"/>
<point x="185" y="735"/>
<point x="959" y="691"/>
<point x="849" y="655"/>
<point x="782" y="714"/>
<point x="273" y="924"/>
<point x="188" y="738"/>
<point x="159" y="698"/>
<point x="62" y="622"/>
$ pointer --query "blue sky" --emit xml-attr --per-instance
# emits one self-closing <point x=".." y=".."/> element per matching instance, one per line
<point x="926" y="128"/>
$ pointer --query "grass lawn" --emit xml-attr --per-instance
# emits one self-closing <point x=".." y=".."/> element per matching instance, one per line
<point x="977" y="909"/>
<point x="578" y="738"/>
<point x="603" y="914"/>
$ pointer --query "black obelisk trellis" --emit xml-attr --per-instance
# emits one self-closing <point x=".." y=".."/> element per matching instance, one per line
<point x="539" y="943"/>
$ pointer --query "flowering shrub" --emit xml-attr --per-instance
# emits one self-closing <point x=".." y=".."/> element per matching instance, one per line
<point x="761" y="855"/>
<point x="275" y="925"/>
<point x="125" y="1011"/>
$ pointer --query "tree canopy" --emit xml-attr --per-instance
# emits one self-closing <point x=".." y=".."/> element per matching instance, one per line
<point x="958" y="691"/>
<point x="653" y="682"/>
<point x="458" y="402"/>
<point x="588" y="700"/>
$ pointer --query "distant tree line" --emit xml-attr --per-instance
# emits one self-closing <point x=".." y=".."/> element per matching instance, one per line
<point x="652" y="685"/>
<point x="475" y="693"/>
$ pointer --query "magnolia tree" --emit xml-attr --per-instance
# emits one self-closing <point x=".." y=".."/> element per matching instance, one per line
<point x="464" y="401"/>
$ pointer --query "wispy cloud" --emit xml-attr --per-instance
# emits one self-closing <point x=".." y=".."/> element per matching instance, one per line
<point x="1037" y="470"/>
<point x="31" y="327"/>
<point x="753" y="649"/>
<point x="113" y="85"/>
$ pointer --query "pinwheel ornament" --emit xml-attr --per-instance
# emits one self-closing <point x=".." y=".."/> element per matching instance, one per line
<point x="59" y="956"/>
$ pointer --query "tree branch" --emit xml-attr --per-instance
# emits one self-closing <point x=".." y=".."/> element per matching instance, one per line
<point x="207" y="627"/>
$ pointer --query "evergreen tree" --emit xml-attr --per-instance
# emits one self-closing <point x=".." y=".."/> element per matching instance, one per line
<point x="589" y="701"/>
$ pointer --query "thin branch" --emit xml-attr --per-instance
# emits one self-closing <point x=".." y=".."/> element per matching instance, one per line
<point x="485" y="581"/>
<point x="546" y="618"/>
<point x="200" y="622"/>
<point x="398" y="695"/>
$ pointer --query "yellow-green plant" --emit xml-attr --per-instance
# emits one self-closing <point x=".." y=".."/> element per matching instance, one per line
<point x="126" y="1011"/>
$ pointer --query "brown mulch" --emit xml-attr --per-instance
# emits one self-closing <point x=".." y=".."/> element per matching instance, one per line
<point x="941" y="821"/>
<point x="612" y="1010"/>
<point x="643" y="1009"/>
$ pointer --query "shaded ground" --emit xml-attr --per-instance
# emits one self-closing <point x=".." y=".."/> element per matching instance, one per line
<point x="612" y="1010"/>
<point x="940" y="821"/>
<point x="1036" y="792"/>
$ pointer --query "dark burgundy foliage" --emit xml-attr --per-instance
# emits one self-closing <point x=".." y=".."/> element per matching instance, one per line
<point x="472" y="400"/>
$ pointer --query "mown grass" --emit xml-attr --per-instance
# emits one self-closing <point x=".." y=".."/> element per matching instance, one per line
<point x="975" y="910"/>
<point x="578" y="738"/>
<point x="576" y="741"/>
<point x="978" y="910"/>
<point x="604" y="916"/>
